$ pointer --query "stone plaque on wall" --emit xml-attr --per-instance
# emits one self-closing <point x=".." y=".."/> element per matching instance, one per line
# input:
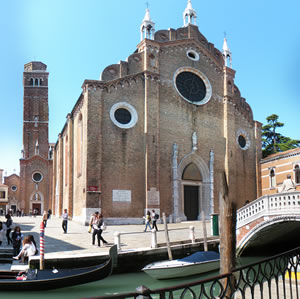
<point x="121" y="195"/>
<point x="153" y="197"/>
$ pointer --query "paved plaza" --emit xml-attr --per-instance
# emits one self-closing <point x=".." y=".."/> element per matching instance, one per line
<point x="79" y="242"/>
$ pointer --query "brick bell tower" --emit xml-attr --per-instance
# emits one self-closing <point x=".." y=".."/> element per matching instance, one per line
<point x="36" y="160"/>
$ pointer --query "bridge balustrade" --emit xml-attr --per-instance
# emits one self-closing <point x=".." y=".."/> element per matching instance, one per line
<point x="287" y="203"/>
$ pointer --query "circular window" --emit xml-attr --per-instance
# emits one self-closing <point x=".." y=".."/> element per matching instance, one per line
<point x="37" y="177"/>
<point x="192" y="85"/>
<point x="123" y="115"/>
<point x="14" y="188"/>
<point x="193" y="55"/>
<point x="243" y="139"/>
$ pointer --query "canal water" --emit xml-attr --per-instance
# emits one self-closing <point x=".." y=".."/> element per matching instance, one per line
<point x="115" y="284"/>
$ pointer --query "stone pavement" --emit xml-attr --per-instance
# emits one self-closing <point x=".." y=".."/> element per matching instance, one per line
<point x="79" y="242"/>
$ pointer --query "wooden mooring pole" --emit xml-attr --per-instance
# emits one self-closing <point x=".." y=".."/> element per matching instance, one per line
<point x="227" y="229"/>
<point x="42" y="246"/>
<point x="167" y="237"/>
<point x="204" y="230"/>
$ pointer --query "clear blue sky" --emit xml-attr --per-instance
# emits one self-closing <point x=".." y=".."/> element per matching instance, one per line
<point x="78" y="39"/>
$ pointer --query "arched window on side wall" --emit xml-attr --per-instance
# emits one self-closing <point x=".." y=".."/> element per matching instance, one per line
<point x="272" y="178"/>
<point x="297" y="174"/>
<point x="36" y="83"/>
<point x="31" y="82"/>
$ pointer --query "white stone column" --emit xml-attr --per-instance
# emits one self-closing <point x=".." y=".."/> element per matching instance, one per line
<point x="153" y="238"/>
<point x="175" y="182"/>
<point x="192" y="234"/>
<point x="211" y="181"/>
<point x="117" y="242"/>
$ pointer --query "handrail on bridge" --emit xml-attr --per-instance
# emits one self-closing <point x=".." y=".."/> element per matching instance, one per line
<point x="269" y="205"/>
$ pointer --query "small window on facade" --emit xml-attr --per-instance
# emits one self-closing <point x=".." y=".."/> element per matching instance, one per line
<point x="297" y="174"/>
<point x="31" y="82"/>
<point x="193" y="55"/>
<point x="41" y="82"/>
<point x="123" y="115"/>
<point x="2" y="194"/>
<point x="272" y="178"/>
<point x="14" y="188"/>
<point x="36" y="83"/>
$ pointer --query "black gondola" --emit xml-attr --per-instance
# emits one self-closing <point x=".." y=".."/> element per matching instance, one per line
<point x="37" y="280"/>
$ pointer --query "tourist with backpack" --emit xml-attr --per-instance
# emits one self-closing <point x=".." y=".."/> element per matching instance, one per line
<point x="154" y="217"/>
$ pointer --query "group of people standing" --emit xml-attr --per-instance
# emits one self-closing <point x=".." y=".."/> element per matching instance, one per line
<point x="96" y="227"/>
<point x="151" y="218"/>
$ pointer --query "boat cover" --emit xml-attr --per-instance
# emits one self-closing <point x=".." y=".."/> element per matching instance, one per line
<point x="201" y="256"/>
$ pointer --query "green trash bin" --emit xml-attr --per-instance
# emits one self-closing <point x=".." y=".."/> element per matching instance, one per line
<point x="215" y="224"/>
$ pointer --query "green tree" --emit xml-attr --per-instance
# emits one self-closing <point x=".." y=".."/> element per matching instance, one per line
<point x="272" y="141"/>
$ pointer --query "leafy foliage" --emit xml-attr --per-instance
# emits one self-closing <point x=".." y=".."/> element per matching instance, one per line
<point x="272" y="141"/>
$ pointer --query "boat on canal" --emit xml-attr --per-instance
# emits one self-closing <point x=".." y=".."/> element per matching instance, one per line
<point x="196" y="263"/>
<point x="36" y="280"/>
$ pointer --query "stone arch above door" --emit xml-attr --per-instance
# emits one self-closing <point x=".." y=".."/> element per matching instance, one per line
<point x="198" y="161"/>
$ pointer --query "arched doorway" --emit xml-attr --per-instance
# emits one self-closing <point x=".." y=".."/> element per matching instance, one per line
<point x="191" y="181"/>
<point x="36" y="204"/>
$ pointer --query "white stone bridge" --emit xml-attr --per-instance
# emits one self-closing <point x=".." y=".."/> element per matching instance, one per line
<point x="269" y="224"/>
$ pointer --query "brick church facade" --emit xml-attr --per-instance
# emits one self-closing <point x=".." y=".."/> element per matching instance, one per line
<point x="158" y="131"/>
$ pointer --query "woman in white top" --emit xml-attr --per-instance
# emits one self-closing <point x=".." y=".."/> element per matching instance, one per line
<point x="28" y="249"/>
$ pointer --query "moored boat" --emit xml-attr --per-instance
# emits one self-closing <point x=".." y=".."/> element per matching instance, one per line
<point x="196" y="263"/>
<point x="35" y="280"/>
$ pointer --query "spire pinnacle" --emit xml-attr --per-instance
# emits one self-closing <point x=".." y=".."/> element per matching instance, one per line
<point x="227" y="55"/>
<point x="147" y="27"/>
<point x="189" y="14"/>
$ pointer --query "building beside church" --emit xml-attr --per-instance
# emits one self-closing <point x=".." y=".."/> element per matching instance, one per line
<point x="275" y="169"/>
<point x="157" y="131"/>
<point x="3" y="194"/>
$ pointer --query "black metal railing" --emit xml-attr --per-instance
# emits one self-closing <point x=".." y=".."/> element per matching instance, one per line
<point x="274" y="277"/>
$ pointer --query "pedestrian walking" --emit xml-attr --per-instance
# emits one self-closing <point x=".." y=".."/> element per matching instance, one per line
<point x="98" y="227"/>
<point x="8" y="224"/>
<point x="147" y="221"/>
<point x="154" y="218"/>
<point x="45" y="218"/>
<point x="65" y="217"/>
<point x="49" y="213"/>
<point x="93" y="220"/>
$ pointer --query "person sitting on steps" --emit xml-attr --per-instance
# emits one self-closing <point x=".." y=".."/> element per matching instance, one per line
<point x="29" y="248"/>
